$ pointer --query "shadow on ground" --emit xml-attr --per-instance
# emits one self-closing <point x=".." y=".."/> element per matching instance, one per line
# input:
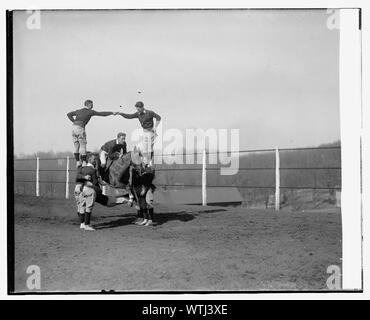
<point x="160" y="219"/>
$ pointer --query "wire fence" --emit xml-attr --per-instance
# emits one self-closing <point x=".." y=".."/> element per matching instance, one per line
<point x="212" y="152"/>
<point x="54" y="176"/>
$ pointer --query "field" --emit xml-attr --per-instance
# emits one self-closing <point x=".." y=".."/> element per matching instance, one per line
<point x="191" y="248"/>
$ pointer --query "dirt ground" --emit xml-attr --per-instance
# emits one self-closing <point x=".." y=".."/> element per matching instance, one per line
<point x="191" y="248"/>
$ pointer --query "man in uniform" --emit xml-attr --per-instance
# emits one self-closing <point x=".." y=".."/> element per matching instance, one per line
<point x="111" y="148"/>
<point x="146" y="118"/>
<point x="80" y="118"/>
<point x="88" y="191"/>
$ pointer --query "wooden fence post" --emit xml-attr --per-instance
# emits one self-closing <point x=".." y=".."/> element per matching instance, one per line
<point x="277" y="180"/>
<point x="204" y="179"/>
<point x="37" y="177"/>
<point x="67" y="179"/>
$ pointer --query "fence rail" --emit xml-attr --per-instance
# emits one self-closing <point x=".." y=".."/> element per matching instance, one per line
<point x="198" y="169"/>
<point x="211" y="152"/>
<point x="202" y="167"/>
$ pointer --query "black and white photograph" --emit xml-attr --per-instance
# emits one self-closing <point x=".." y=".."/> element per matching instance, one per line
<point x="183" y="150"/>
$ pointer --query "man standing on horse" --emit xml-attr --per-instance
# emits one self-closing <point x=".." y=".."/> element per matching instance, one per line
<point x="80" y="118"/>
<point x="146" y="118"/>
<point x="111" y="148"/>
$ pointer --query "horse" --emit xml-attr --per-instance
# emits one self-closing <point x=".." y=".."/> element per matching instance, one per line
<point x="117" y="173"/>
<point x="129" y="172"/>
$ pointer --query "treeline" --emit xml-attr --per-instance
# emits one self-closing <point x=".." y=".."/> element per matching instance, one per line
<point x="46" y="155"/>
<point x="314" y="169"/>
<point x="299" y="168"/>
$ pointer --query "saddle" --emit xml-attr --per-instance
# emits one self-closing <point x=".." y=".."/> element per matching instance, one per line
<point x="119" y="171"/>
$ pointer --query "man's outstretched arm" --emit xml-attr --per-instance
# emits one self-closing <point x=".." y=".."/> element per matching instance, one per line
<point x="103" y="113"/>
<point x="128" y="115"/>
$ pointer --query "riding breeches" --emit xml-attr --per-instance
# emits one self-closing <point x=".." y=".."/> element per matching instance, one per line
<point x="80" y="200"/>
<point x="149" y="199"/>
<point x="146" y="145"/>
<point x="103" y="157"/>
<point x="89" y="195"/>
<point x="79" y="138"/>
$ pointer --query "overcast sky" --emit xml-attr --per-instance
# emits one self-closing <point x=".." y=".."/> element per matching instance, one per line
<point x="272" y="74"/>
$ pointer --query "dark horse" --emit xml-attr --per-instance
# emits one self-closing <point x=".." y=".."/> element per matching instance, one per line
<point x="117" y="173"/>
<point x="128" y="172"/>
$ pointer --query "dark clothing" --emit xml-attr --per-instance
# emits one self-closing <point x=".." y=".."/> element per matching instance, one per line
<point x="80" y="178"/>
<point x="87" y="218"/>
<point x="111" y="147"/>
<point x="142" y="176"/>
<point x="140" y="213"/>
<point x="148" y="213"/>
<point x="82" y="116"/>
<point x="145" y="118"/>
<point x="91" y="171"/>
<point x="151" y="213"/>
<point x="81" y="216"/>
<point x="101" y="198"/>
